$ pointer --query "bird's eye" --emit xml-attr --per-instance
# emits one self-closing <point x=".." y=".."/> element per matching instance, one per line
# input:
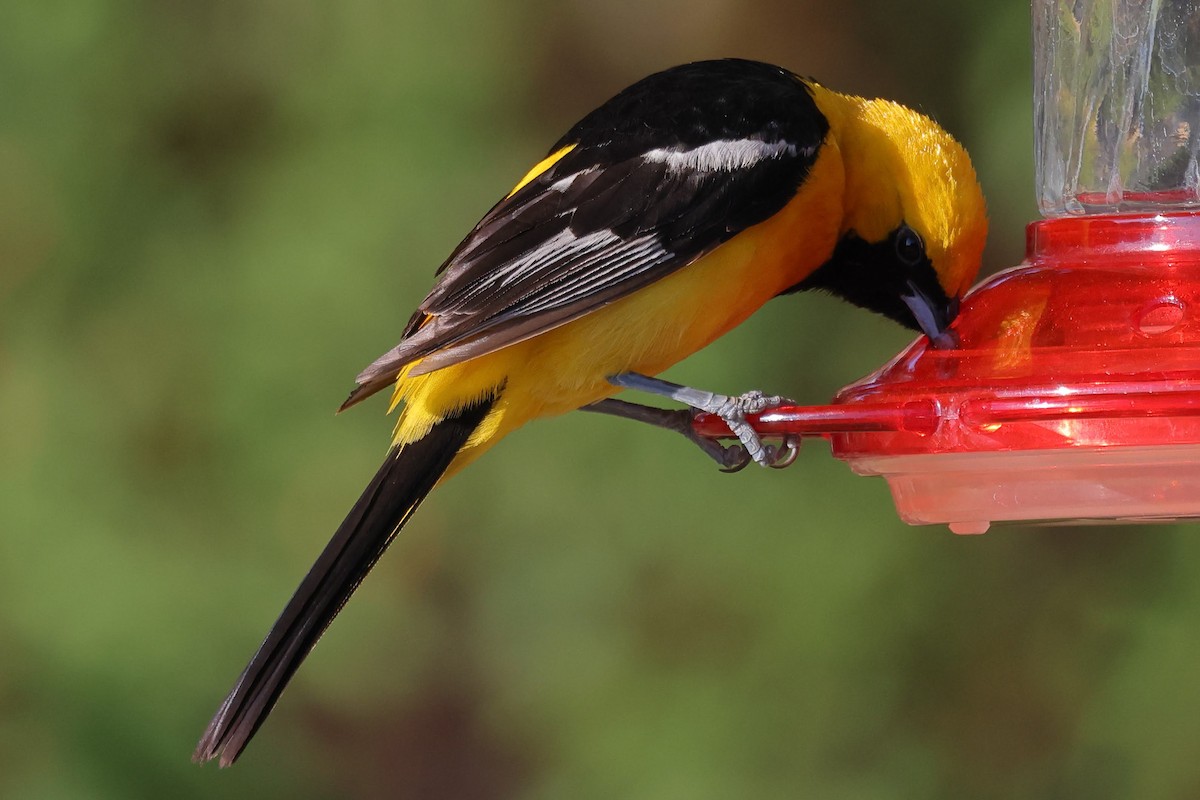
<point x="909" y="247"/>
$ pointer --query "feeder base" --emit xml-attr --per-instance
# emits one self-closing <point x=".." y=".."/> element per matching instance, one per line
<point x="969" y="491"/>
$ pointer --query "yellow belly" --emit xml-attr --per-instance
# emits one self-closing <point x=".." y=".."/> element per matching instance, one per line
<point x="646" y="332"/>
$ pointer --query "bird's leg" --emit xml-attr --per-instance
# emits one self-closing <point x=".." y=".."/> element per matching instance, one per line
<point x="729" y="459"/>
<point x="732" y="410"/>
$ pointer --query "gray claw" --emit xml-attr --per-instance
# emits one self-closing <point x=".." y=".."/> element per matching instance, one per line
<point x="785" y="454"/>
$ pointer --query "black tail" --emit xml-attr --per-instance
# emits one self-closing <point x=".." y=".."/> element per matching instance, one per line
<point x="407" y="475"/>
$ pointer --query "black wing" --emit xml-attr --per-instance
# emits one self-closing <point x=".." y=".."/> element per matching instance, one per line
<point x="652" y="180"/>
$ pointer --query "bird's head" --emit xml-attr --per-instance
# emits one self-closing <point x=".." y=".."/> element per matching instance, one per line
<point x="914" y="221"/>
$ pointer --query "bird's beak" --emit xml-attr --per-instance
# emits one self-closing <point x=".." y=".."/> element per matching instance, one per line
<point x="933" y="316"/>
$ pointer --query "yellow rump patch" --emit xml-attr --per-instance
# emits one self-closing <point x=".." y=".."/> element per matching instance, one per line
<point x="543" y="165"/>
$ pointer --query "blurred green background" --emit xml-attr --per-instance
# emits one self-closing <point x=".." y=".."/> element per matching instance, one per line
<point x="213" y="213"/>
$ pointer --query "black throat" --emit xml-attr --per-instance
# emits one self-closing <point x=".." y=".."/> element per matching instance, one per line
<point x="869" y="275"/>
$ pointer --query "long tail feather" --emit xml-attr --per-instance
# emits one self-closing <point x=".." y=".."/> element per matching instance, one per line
<point x="407" y="475"/>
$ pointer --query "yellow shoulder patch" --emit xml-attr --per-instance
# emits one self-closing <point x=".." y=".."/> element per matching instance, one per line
<point x="543" y="165"/>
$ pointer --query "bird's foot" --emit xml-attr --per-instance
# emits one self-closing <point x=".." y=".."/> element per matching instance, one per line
<point x="733" y="411"/>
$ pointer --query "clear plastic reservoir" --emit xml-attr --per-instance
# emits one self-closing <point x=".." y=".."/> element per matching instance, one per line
<point x="1116" y="105"/>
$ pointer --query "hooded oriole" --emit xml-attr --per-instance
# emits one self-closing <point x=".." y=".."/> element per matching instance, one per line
<point x="660" y="221"/>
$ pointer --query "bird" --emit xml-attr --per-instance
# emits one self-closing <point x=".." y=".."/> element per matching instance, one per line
<point x="660" y="221"/>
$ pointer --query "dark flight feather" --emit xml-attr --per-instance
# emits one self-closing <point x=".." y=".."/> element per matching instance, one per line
<point x="406" y="476"/>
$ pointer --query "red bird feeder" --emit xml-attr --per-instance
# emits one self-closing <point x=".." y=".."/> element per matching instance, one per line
<point x="1074" y="395"/>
